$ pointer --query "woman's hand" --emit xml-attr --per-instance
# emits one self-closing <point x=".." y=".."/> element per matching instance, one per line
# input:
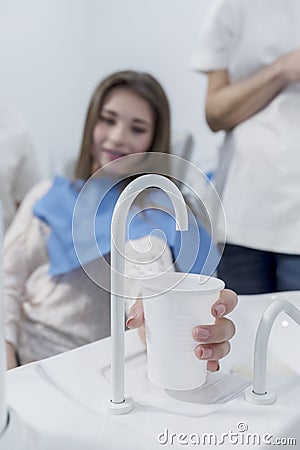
<point x="214" y="338"/>
<point x="289" y="66"/>
<point x="11" y="359"/>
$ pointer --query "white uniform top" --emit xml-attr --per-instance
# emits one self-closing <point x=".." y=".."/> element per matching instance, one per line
<point x="18" y="165"/>
<point x="259" y="173"/>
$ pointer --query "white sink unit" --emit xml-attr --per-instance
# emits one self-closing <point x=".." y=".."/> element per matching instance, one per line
<point x="61" y="402"/>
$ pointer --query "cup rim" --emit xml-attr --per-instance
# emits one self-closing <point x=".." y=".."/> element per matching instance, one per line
<point x="208" y="284"/>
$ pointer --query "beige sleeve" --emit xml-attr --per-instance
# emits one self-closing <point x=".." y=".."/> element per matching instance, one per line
<point x="23" y="248"/>
<point x="144" y="256"/>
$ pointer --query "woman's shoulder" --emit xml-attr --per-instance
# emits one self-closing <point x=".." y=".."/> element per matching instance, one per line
<point x="43" y="187"/>
<point x="23" y="219"/>
<point x="37" y="191"/>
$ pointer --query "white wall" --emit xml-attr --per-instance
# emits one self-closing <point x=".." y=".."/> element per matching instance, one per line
<point x="54" y="52"/>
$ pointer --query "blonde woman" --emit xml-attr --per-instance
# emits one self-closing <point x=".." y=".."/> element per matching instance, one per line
<point x="52" y="301"/>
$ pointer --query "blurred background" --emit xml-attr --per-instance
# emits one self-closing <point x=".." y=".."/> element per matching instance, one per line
<point x="54" y="52"/>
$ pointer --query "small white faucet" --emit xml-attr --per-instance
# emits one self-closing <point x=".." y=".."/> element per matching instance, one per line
<point x="258" y="393"/>
<point x="118" y="404"/>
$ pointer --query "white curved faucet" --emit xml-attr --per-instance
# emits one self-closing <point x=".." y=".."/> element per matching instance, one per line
<point x="258" y="393"/>
<point x="118" y="404"/>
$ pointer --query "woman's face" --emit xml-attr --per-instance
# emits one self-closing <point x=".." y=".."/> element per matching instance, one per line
<point x="125" y="127"/>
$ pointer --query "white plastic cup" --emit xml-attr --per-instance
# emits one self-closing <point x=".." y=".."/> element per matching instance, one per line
<point x="174" y="303"/>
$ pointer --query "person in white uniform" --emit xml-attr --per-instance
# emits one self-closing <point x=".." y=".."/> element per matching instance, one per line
<point x="250" y="51"/>
<point x="18" y="167"/>
<point x="55" y="300"/>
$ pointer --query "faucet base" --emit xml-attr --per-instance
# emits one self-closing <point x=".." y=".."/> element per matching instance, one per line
<point x="259" y="399"/>
<point x="119" y="408"/>
<point x="16" y="435"/>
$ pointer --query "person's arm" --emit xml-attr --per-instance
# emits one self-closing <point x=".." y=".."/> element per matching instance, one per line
<point x="19" y="260"/>
<point x="215" y="345"/>
<point x="141" y="261"/>
<point x="228" y="104"/>
<point x="11" y="358"/>
<point x="15" y="273"/>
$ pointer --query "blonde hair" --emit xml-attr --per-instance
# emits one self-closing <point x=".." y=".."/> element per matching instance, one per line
<point x="145" y="86"/>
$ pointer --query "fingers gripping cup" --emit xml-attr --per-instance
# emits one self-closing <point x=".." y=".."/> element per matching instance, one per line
<point x="174" y="303"/>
